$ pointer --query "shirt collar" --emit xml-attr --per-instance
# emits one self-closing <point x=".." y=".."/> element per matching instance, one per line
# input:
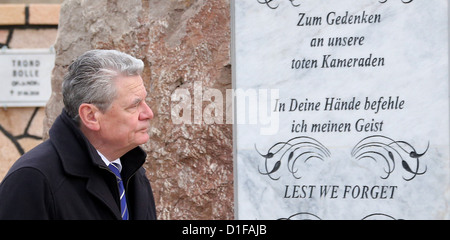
<point x="107" y="162"/>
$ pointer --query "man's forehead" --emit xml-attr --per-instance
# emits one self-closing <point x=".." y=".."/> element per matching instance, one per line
<point x="130" y="89"/>
<point x="130" y="84"/>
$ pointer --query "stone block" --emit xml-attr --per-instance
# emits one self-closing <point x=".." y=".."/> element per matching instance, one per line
<point x="44" y="14"/>
<point x="3" y="36"/>
<point x="33" y="38"/>
<point x="12" y="14"/>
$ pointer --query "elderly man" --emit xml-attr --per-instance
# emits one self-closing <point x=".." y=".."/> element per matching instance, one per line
<point x="91" y="167"/>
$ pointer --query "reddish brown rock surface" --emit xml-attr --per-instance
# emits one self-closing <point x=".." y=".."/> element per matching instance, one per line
<point x="181" y="42"/>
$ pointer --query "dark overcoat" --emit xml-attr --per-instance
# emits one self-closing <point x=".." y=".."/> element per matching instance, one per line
<point x="65" y="178"/>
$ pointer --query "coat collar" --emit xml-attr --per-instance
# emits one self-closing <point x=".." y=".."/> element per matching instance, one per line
<point x="80" y="158"/>
<point x="76" y="153"/>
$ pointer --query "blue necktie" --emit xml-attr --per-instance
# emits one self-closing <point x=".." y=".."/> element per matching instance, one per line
<point x="123" y="201"/>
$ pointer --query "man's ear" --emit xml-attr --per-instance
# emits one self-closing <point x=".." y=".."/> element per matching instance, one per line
<point x="89" y="116"/>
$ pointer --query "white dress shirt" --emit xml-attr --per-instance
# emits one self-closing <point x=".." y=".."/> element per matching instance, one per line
<point x="107" y="162"/>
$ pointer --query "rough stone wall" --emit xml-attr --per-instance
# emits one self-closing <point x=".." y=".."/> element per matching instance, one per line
<point x="20" y="131"/>
<point x="23" y="26"/>
<point x="181" y="42"/>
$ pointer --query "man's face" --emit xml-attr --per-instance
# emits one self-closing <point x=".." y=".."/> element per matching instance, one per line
<point x="125" y="124"/>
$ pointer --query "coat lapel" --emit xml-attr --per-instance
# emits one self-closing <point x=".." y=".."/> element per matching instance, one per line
<point x="98" y="188"/>
<point x="132" y="173"/>
<point x="138" y="201"/>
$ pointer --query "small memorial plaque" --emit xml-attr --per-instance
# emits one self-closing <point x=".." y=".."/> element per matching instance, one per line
<point x="25" y="77"/>
<point x="342" y="109"/>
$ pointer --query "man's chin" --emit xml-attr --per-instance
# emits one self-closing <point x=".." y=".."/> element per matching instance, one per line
<point x="143" y="138"/>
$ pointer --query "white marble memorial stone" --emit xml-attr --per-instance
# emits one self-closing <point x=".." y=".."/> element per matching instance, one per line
<point x="342" y="109"/>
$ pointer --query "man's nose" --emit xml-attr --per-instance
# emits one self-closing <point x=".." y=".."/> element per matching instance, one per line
<point x="146" y="113"/>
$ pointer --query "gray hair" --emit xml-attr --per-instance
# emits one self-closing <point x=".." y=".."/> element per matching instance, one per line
<point x="89" y="79"/>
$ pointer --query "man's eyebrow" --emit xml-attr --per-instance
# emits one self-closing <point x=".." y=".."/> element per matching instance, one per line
<point x="136" y="101"/>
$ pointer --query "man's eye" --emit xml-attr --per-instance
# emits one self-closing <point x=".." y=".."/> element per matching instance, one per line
<point x="133" y="107"/>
